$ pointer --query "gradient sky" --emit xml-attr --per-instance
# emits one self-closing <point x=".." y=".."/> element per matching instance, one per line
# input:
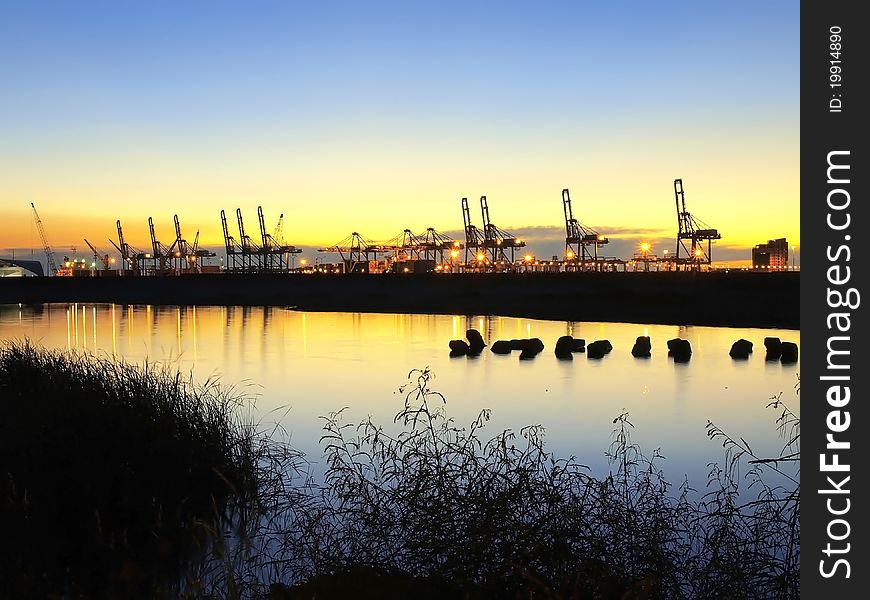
<point x="377" y="116"/>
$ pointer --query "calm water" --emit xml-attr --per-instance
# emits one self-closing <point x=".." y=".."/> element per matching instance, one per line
<point x="299" y="366"/>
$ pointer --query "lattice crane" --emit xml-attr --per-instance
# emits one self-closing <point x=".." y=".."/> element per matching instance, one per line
<point x="49" y="255"/>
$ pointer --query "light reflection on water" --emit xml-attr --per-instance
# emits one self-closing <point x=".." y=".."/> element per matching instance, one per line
<point x="314" y="363"/>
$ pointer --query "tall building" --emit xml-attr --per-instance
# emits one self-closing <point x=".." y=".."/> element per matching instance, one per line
<point x="773" y="255"/>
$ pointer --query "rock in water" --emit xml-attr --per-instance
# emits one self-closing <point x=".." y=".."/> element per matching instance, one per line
<point x="458" y="348"/>
<point x="501" y="347"/>
<point x="564" y="347"/>
<point x="680" y="350"/>
<point x="773" y="345"/>
<point x="642" y="347"/>
<point x="741" y="349"/>
<point x="789" y="353"/>
<point x="475" y="341"/>
<point x="530" y="348"/>
<point x="598" y="348"/>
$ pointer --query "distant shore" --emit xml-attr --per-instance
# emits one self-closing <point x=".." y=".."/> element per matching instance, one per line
<point x="733" y="299"/>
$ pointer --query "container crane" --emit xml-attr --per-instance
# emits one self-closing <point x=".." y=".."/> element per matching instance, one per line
<point x="249" y="248"/>
<point x="49" y="255"/>
<point x="233" y="248"/>
<point x="578" y="238"/>
<point x="694" y="231"/>
<point x="474" y="240"/>
<point x="496" y="240"/>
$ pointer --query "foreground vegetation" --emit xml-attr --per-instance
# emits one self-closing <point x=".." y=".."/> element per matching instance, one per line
<point x="168" y="492"/>
<point x="113" y="478"/>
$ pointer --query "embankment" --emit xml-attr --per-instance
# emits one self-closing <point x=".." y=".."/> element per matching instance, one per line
<point x="732" y="299"/>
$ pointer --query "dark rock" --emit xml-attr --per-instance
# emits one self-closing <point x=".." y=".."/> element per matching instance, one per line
<point x="475" y="340"/>
<point x="774" y="348"/>
<point x="680" y="350"/>
<point x="773" y="344"/>
<point x="501" y="347"/>
<point x="741" y="349"/>
<point x="789" y="353"/>
<point x="530" y="348"/>
<point x="458" y="346"/>
<point x="642" y="347"/>
<point x="455" y="353"/>
<point x="598" y="348"/>
<point x="565" y="347"/>
<point x="536" y="344"/>
<point x="517" y="344"/>
<point x="578" y="345"/>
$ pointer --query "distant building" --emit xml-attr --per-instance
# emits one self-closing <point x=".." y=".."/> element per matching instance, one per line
<point x="772" y="255"/>
<point x="11" y="267"/>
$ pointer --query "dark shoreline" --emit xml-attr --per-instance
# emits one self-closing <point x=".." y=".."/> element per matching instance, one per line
<point x="733" y="299"/>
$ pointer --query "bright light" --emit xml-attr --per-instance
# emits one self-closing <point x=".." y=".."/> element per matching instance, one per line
<point x="112" y="260"/>
<point x="644" y="246"/>
<point x="480" y="257"/>
<point x="405" y="269"/>
<point x="454" y="253"/>
<point x="456" y="244"/>
<point x="570" y="254"/>
<point x="665" y="252"/>
<point x="601" y="237"/>
<point x="528" y="258"/>
<point x="303" y="262"/>
<point x="698" y="253"/>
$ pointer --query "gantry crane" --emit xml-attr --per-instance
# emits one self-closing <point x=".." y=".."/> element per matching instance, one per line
<point x="249" y="248"/>
<point x="275" y="253"/>
<point x="49" y="255"/>
<point x="132" y="258"/>
<point x="498" y="241"/>
<point x="475" y="251"/>
<point x="356" y="252"/>
<point x="233" y="248"/>
<point x="694" y="231"/>
<point x="579" y="239"/>
<point x="161" y="255"/>
<point x="432" y="245"/>
<point x="188" y="256"/>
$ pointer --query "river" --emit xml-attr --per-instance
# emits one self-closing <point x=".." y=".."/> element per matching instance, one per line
<point x="297" y="366"/>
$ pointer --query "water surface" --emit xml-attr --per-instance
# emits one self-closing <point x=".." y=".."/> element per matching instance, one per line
<point x="299" y="366"/>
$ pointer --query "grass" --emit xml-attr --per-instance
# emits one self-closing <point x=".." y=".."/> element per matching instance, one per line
<point x="119" y="481"/>
<point x="114" y="479"/>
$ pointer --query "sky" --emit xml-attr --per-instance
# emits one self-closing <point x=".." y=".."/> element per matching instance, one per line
<point x="380" y="116"/>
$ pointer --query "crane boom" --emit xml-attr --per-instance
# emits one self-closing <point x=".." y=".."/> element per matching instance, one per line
<point x="99" y="256"/>
<point x="49" y="255"/>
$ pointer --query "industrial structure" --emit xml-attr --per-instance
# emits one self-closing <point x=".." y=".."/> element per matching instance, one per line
<point x="406" y="252"/>
<point x="581" y="243"/>
<point x="49" y="255"/>
<point x="693" y="231"/>
<point x="247" y="256"/>
<point x="497" y="242"/>
<point x="483" y="250"/>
